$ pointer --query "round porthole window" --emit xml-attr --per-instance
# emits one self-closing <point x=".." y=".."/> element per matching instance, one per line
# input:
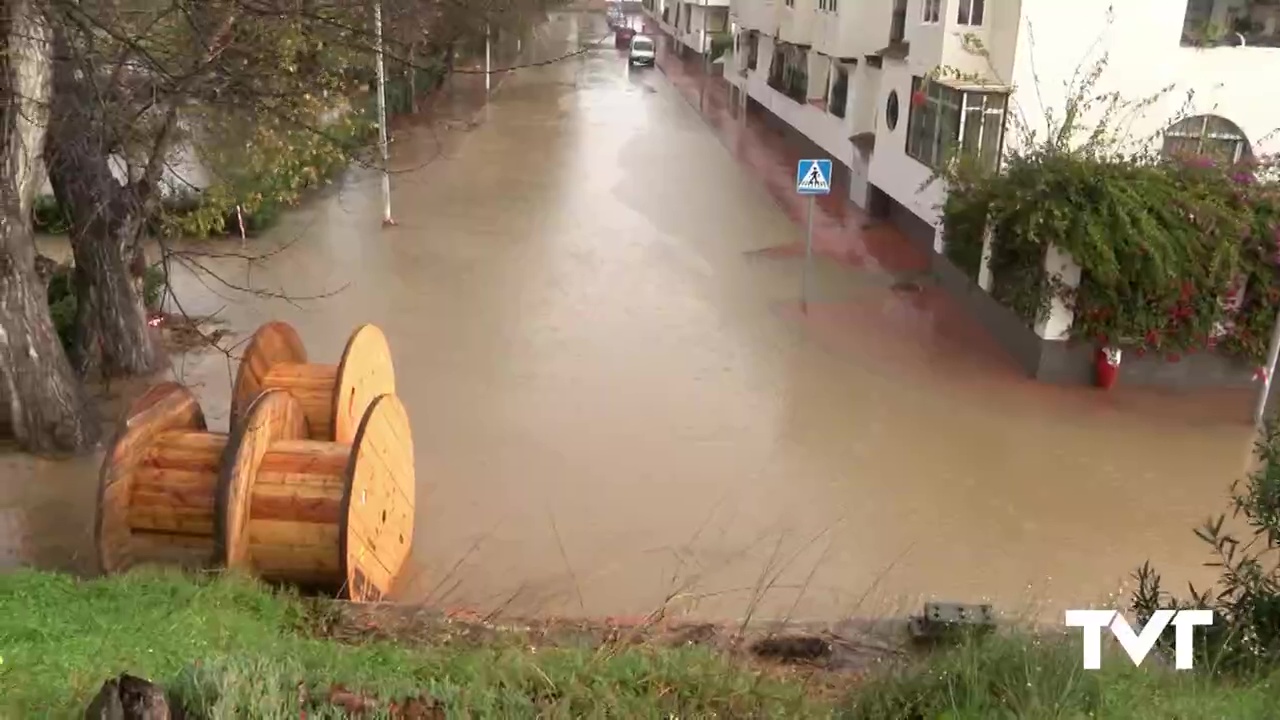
<point x="891" y="110"/>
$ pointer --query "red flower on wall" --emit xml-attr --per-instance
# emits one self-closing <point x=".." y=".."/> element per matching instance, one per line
<point x="919" y="98"/>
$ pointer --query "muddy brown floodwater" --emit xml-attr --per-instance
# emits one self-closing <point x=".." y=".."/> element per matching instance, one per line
<point x="615" y="400"/>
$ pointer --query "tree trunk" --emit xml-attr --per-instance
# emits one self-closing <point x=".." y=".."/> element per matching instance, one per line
<point x="48" y="409"/>
<point x="106" y="219"/>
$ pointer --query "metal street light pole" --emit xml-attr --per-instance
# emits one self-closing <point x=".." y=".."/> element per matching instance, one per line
<point x="382" y="117"/>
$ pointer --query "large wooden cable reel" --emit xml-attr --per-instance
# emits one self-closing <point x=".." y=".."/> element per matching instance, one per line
<point x="157" y="482"/>
<point x="332" y="516"/>
<point x="328" y="515"/>
<point x="333" y="397"/>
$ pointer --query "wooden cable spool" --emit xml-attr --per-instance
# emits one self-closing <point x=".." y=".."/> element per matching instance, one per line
<point x="330" y="516"/>
<point x="157" y="483"/>
<point x="334" y="398"/>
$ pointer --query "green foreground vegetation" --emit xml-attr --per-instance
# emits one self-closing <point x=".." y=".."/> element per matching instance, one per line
<point x="230" y="648"/>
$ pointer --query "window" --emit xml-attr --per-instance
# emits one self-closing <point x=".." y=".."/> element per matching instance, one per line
<point x="970" y="12"/>
<point x="944" y="120"/>
<point x="839" y="92"/>
<point x="1207" y="136"/>
<point x="790" y="3"/>
<point x="898" y="26"/>
<point x="1248" y="23"/>
<point x="829" y="5"/>
<point x="891" y="111"/>
<point x="753" y="50"/>
<point x="932" y="11"/>
<point x="789" y="71"/>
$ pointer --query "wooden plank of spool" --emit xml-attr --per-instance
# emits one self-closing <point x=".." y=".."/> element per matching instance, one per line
<point x="275" y="415"/>
<point x="334" y="398"/>
<point x="378" y="507"/>
<point x="317" y="513"/>
<point x="156" y="483"/>
<point x="365" y="373"/>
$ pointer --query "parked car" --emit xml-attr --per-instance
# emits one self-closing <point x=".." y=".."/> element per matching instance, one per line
<point x="622" y="37"/>
<point x="643" y="50"/>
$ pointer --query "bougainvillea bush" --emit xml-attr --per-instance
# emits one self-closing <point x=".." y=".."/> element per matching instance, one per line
<point x="1178" y="254"/>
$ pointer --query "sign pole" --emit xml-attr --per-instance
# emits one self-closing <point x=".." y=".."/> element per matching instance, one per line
<point x="808" y="260"/>
<point x="813" y="178"/>
<point x="1273" y="355"/>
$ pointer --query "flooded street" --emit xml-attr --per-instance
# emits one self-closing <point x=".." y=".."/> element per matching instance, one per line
<point x="616" y="400"/>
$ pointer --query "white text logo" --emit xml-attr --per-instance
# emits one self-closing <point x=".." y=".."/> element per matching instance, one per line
<point x="1139" y="644"/>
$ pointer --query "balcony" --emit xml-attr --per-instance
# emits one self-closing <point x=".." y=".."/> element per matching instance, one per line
<point x="1232" y="23"/>
<point x="759" y="15"/>
<point x="796" y="20"/>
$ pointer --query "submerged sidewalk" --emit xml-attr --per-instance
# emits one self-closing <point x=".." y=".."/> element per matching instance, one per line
<point x="842" y="232"/>
<point x="890" y="311"/>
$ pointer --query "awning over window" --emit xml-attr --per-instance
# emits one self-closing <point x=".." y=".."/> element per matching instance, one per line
<point x="864" y="142"/>
<point x="967" y="85"/>
<point x="893" y="51"/>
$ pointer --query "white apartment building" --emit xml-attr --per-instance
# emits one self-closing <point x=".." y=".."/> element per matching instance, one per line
<point x="693" y="22"/>
<point x="842" y="73"/>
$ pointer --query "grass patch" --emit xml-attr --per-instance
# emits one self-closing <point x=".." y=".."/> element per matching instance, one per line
<point x="227" y="648"/>
<point x="1018" y="676"/>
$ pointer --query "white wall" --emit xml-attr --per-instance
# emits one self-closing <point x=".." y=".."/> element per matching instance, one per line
<point x="1052" y="40"/>
<point x="717" y="20"/>
<point x="183" y="173"/>
<point x="926" y="40"/>
<point x="824" y="129"/>
<point x="1145" y="55"/>
<point x="835" y="33"/>
<point x="892" y="170"/>
<point x="795" y="22"/>
<point x="760" y="15"/>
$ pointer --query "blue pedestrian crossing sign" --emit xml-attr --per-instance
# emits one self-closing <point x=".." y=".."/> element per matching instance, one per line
<point x="813" y="177"/>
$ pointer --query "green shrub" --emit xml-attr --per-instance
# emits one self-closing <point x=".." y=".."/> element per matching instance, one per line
<point x="61" y="294"/>
<point x="47" y="216"/>
<point x="1245" y="636"/>
<point x="153" y="287"/>
<point x="721" y="43"/>
<point x="265" y="174"/>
